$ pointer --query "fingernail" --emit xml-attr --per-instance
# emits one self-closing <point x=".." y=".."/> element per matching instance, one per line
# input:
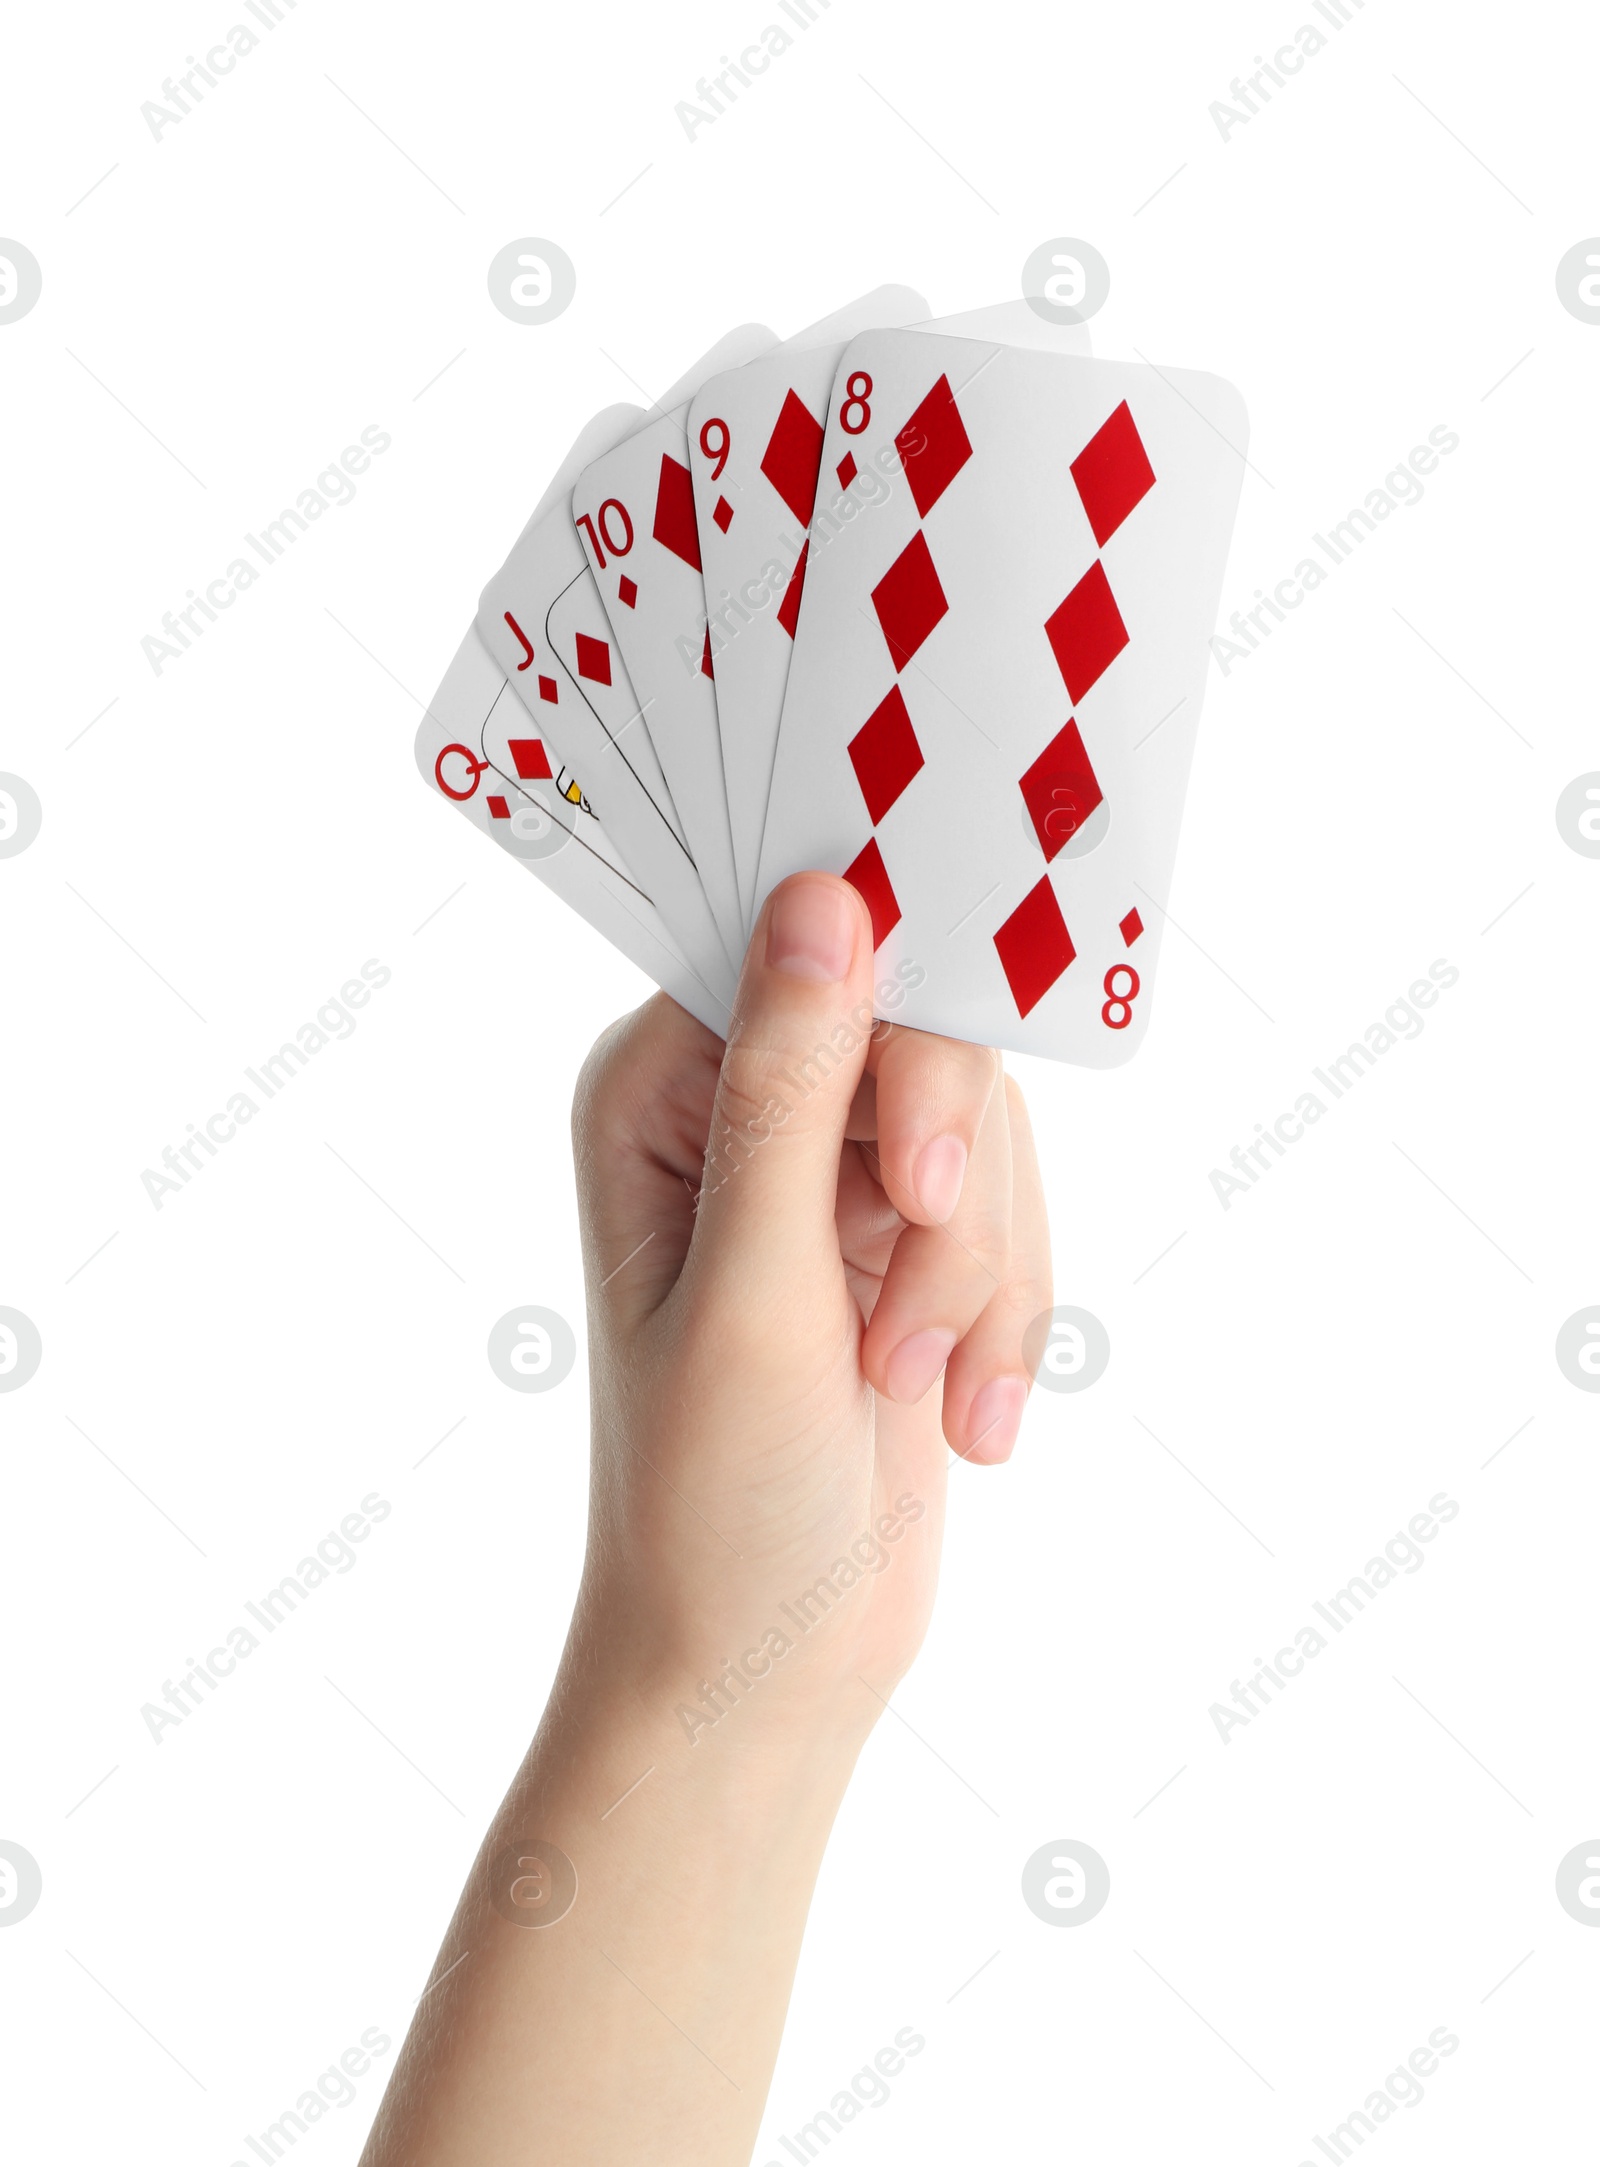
<point x="916" y="1362"/>
<point x="939" y="1172"/>
<point x="811" y="933"/>
<point x="996" y="1416"/>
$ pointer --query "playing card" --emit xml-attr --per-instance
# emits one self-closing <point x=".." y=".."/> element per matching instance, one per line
<point x="999" y="662"/>
<point x="552" y="641"/>
<point x="612" y="422"/>
<point x="476" y="747"/>
<point x="634" y="508"/>
<point x="589" y="721"/>
<point x="634" y="511"/>
<point x="755" y="450"/>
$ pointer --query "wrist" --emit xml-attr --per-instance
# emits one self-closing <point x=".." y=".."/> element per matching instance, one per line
<point x="734" y="1731"/>
<point x="795" y="1653"/>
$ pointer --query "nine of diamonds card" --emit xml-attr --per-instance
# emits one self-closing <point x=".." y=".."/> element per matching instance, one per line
<point x="977" y="640"/>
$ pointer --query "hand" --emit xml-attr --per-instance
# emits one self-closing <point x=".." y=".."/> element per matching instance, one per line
<point x="789" y="1242"/>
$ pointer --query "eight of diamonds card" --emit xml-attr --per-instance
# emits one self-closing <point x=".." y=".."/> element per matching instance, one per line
<point x="998" y="668"/>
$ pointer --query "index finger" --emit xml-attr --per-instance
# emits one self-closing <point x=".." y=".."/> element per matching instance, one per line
<point x="931" y="1096"/>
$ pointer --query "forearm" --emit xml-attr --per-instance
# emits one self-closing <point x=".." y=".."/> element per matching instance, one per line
<point x="645" y="2021"/>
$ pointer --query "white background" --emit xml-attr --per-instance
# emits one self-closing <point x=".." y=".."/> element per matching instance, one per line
<point x="1374" y="788"/>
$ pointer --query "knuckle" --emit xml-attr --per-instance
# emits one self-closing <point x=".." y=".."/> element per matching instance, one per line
<point x="1025" y="1297"/>
<point x="636" y="1072"/>
<point x="751" y="1107"/>
<point x="742" y="1106"/>
<point x="974" y="1070"/>
<point x="1028" y="1296"/>
<point x="597" y="1094"/>
<point x="790" y="1078"/>
<point x="749" y="1084"/>
<point x="985" y="1237"/>
<point x="961" y="1087"/>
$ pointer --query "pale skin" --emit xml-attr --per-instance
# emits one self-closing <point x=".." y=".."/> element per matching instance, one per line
<point x="830" y="1274"/>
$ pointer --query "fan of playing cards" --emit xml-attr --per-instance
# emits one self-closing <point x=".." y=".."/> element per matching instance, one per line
<point x="925" y="604"/>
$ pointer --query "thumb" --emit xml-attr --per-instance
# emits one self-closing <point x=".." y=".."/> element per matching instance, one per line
<point x="796" y="1051"/>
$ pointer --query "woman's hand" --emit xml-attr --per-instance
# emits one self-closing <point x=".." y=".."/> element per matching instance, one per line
<point x="790" y="1241"/>
<point x="812" y="1256"/>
